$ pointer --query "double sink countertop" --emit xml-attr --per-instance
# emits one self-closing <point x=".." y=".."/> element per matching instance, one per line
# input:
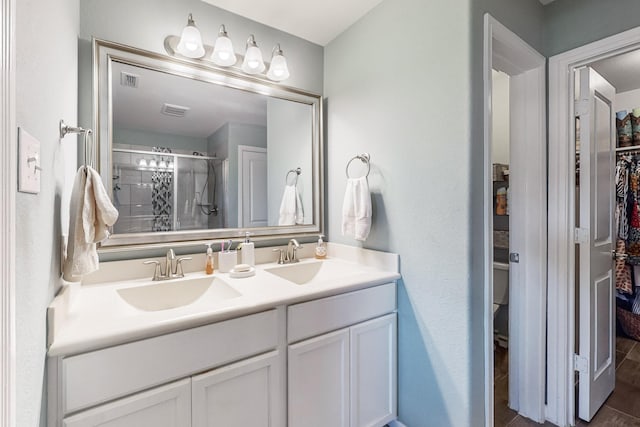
<point x="120" y="303"/>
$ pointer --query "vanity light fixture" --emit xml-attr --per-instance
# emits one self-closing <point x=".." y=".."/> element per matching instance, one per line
<point x="253" y="63"/>
<point x="278" y="69"/>
<point x="223" y="53"/>
<point x="190" y="44"/>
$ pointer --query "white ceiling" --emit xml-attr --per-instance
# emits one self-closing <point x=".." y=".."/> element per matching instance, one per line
<point x="621" y="70"/>
<point x="318" y="21"/>
<point x="210" y="105"/>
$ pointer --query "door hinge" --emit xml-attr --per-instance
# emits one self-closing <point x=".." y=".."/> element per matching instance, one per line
<point x="581" y="107"/>
<point x="580" y="364"/>
<point x="581" y="235"/>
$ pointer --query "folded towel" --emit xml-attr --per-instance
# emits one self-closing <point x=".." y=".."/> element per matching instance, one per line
<point x="291" y="211"/>
<point x="356" y="209"/>
<point x="91" y="213"/>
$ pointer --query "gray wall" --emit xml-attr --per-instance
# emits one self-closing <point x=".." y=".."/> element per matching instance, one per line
<point x="573" y="23"/>
<point x="46" y="91"/>
<point x="289" y="143"/>
<point x="421" y="120"/>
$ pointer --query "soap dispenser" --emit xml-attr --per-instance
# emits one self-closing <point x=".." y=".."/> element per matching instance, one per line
<point x="321" y="248"/>
<point x="227" y="259"/>
<point x="247" y="252"/>
<point x="208" y="267"/>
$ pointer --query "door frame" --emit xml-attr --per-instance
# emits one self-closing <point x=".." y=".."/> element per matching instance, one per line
<point x="8" y="162"/>
<point x="504" y="50"/>
<point x="561" y="268"/>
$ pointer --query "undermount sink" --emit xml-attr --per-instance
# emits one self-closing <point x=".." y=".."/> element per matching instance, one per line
<point x="177" y="293"/>
<point x="308" y="272"/>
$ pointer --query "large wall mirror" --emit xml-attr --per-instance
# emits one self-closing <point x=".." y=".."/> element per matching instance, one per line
<point x="191" y="152"/>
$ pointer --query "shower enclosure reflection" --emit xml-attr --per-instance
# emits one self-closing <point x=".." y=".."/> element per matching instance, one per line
<point x="155" y="189"/>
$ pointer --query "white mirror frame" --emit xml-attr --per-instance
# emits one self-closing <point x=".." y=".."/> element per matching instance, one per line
<point x="105" y="52"/>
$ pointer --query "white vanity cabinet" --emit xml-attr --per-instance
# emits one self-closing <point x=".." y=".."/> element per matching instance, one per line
<point x="171" y="379"/>
<point x="336" y="354"/>
<point x="346" y="377"/>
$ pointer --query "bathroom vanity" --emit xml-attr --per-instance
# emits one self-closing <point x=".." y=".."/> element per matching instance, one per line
<point x="306" y="344"/>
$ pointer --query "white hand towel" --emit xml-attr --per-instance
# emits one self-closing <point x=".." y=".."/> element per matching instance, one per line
<point x="91" y="213"/>
<point x="356" y="209"/>
<point x="299" y="210"/>
<point x="291" y="211"/>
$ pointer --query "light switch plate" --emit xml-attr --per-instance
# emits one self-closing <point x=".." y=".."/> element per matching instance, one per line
<point x="28" y="163"/>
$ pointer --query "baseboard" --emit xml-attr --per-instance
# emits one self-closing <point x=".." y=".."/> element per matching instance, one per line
<point x="396" y="424"/>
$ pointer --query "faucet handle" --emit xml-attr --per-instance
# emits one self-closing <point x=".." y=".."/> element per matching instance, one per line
<point x="280" y="256"/>
<point x="179" y="272"/>
<point x="156" y="271"/>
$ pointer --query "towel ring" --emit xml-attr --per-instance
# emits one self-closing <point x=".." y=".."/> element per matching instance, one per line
<point x="297" y="171"/>
<point x="364" y="158"/>
<point x="89" y="154"/>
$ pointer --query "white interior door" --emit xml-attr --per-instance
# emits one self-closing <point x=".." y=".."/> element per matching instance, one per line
<point x="252" y="185"/>
<point x="596" y="360"/>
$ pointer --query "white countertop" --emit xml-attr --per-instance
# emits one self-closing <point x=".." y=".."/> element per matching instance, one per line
<point x="93" y="316"/>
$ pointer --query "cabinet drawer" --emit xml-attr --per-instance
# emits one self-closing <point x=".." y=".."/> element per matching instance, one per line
<point x="102" y="375"/>
<point x="327" y="314"/>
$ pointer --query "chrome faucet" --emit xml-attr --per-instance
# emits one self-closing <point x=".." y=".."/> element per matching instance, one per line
<point x="291" y="251"/>
<point x="172" y="269"/>
<point x="170" y="257"/>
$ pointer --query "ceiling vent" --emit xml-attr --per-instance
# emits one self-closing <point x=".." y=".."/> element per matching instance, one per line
<point x="174" y="110"/>
<point x="128" y="79"/>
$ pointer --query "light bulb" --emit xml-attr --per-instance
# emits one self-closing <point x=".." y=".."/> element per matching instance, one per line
<point x="253" y="63"/>
<point x="190" y="44"/>
<point x="278" y="69"/>
<point x="223" y="53"/>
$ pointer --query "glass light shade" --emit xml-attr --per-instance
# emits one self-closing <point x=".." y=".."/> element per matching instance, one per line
<point x="278" y="69"/>
<point x="153" y="163"/>
<point x="143" y="163"/>
<point x="162" y="164"/>
<point x="253" y="63"/>
<point x="190" y="44"/>
<point x="223" y="53"/>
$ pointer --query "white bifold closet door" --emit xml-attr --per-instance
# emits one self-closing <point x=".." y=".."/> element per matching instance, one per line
<point x="596" y="359"/>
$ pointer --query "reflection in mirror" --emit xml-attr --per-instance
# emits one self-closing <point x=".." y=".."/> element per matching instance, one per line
<point x="193" y="151"/>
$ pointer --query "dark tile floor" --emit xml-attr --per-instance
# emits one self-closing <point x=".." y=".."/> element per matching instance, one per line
<point x="622" y="408"/>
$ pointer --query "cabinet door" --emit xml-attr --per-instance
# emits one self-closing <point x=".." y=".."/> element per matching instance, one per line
<point x="247" y="393"/>
<point x="166" y="406"/>
<point x="373" y="372"/>
<point x="319" y="381"/>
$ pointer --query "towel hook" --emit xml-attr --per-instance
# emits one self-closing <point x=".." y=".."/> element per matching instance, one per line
<point x="297" y="171"/>
<point x="364" y="158"/>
